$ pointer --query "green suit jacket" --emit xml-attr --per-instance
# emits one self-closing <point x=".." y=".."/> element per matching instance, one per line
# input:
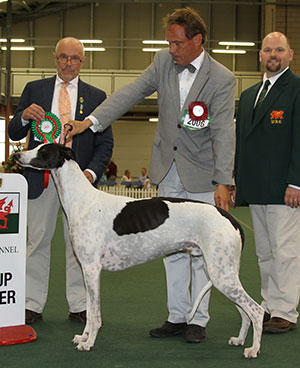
<point x="268" y="146"/>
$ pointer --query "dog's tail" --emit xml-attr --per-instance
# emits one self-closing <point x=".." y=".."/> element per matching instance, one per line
<point x="199" y="298"/>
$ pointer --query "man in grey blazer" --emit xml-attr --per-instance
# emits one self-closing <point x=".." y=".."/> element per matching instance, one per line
<point x="193" y="147"/>
<point x="93" y="152"/>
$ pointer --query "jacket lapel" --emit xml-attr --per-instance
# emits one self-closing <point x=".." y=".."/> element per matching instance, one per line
<point x="48" y="91"/>
<point x="174" y="88"/>
<point x="272" y="96"/>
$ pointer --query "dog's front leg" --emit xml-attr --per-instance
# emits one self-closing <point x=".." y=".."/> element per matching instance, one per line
<point x="92" y="281"/>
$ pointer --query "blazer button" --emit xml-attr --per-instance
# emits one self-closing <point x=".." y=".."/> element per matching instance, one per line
<point x="175" y="148"/>
<point x="179" y="126"/>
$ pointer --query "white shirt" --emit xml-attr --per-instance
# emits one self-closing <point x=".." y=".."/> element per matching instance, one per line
<point x="272" y="81"/>
<point x="186" y="78"/>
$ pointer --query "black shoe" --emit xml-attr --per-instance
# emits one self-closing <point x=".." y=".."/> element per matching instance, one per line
<point x="79" y="317"/>
<point x="168" y="329"/>
<point x="195" y="334"/>
<point x="31" y="317"/>
<point x="267" y="317"/>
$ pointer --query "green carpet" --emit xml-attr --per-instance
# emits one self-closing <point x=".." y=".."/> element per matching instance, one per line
<point x="133" y="302"/>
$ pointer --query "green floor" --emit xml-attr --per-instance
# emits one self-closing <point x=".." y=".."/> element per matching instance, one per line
<point x="133" y="302"/>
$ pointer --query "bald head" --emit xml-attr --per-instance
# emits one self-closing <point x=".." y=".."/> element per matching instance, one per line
<point x="69" y="58"/>
<point x="276" y="53"/>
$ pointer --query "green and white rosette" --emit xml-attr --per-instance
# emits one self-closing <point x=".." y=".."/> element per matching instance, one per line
<point x="47" y="129"/>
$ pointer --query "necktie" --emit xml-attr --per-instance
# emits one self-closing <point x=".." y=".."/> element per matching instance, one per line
<point x="261" y="96"/>
<point x="180" y="68"/>
<point x="64" y="108"/>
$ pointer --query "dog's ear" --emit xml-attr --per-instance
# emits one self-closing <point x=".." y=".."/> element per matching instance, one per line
<point x="68" y="153"/>
<point x="65" y="153"/>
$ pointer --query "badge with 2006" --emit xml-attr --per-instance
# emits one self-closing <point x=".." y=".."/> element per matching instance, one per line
<point x="196" y="116"/>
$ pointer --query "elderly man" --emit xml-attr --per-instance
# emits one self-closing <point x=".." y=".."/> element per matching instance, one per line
<point x="69" y="98"/>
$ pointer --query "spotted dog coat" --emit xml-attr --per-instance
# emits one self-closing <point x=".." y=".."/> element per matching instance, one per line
<point x="114" y="233"/>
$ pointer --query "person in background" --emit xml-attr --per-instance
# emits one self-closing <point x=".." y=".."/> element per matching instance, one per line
<point x="144" y="179"/>
<point x="112" y="171"/>
<point x="193" y="148"/>
<point x="267" y="174"/>
<point x="126" y="176"/>
<point x="93" y="152"/>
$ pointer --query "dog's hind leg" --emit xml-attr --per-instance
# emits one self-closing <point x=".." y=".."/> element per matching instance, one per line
<point x="92" y="280"/>
<point x="246" y="322"/>
<point x="222" y="260"/>
<point x="248" y="309"/>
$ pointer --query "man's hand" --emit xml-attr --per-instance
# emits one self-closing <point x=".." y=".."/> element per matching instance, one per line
<point x="232" y="192"/>
<point x="33" y="112"/>
<point x="222" y="197"/>
<point x="89" y="176"/>
<point x="292" y="197"/>
<point x="77" y="128"/>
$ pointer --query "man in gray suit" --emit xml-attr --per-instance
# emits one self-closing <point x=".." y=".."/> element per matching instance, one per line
<point x="193" y="147"/>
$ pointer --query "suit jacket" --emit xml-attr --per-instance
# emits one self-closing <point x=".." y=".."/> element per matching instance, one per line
<point x="268" y="147"/>
<point x="93" y="151"/>
<point x="202" y="156"/>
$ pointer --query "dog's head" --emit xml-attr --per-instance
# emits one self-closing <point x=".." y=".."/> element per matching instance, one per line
<point x="45" y="157"/>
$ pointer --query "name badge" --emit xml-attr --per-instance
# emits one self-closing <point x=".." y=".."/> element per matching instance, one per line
<point x="196" y="117"/>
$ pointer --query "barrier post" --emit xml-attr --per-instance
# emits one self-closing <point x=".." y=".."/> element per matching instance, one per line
<point x="13" y="220"/>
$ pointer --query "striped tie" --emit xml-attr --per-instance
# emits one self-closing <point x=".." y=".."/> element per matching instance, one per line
<point x="261" y="96"/>
<point x="64" y="107"/>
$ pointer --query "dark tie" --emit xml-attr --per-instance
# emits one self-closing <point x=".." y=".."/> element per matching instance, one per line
<point x="261" y="96"/>
<point x="180" y="68"/>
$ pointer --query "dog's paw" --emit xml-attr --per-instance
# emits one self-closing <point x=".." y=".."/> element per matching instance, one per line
<point x="251" y="353"/>
<point x="236" y="341"/>
<point x="77" y="339"/>
<point x="83" y="346"/>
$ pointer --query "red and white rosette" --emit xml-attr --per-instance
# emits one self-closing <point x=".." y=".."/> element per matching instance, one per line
<point x="198" y="111"/>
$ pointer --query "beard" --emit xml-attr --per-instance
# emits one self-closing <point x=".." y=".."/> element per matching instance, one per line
<point x="273" y="68"/>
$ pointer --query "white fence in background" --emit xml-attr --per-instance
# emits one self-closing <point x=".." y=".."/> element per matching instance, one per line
<point x="129" y="192"/>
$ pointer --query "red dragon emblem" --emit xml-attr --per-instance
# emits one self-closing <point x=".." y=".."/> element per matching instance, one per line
<point x="276" y="115"/>
<point x="4" y="212"/>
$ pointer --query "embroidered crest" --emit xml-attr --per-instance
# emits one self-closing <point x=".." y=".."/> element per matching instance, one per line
<point x="276" y="117"/>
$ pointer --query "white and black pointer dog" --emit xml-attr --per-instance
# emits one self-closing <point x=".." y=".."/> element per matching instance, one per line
<point x="114" y="233"/>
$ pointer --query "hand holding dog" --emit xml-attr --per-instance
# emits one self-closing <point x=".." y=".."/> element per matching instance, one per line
<point x="74" y="127"/>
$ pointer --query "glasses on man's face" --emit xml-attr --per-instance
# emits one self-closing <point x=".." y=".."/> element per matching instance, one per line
<point x="63" y="59"/>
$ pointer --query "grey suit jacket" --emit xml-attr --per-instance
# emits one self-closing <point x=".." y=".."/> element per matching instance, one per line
<point x="202" y="157"/>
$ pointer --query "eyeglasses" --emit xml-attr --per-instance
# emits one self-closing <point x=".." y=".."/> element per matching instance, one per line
<point x="63" y="59"/>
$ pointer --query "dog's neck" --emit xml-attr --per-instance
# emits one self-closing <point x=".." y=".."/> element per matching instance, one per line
<point x="71" y="183"/>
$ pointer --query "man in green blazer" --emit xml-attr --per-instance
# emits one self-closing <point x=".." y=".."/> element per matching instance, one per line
<point x="267" y="173"/>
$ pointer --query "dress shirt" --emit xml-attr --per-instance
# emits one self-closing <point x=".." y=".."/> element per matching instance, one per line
<point x="186" y="78"/>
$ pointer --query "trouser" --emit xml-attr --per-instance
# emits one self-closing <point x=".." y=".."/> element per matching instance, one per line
<point x="185" y="273"/>
<point x="41" y="223"/>
<point x="277" y="240"/>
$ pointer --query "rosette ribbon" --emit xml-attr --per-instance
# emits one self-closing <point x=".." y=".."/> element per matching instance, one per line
<point x="47" y="130"/>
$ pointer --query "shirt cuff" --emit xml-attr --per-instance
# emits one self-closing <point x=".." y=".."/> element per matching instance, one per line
<point x="294" y="186"/>
<point x="24" y="122"/>
<point x="96" y="127"/>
